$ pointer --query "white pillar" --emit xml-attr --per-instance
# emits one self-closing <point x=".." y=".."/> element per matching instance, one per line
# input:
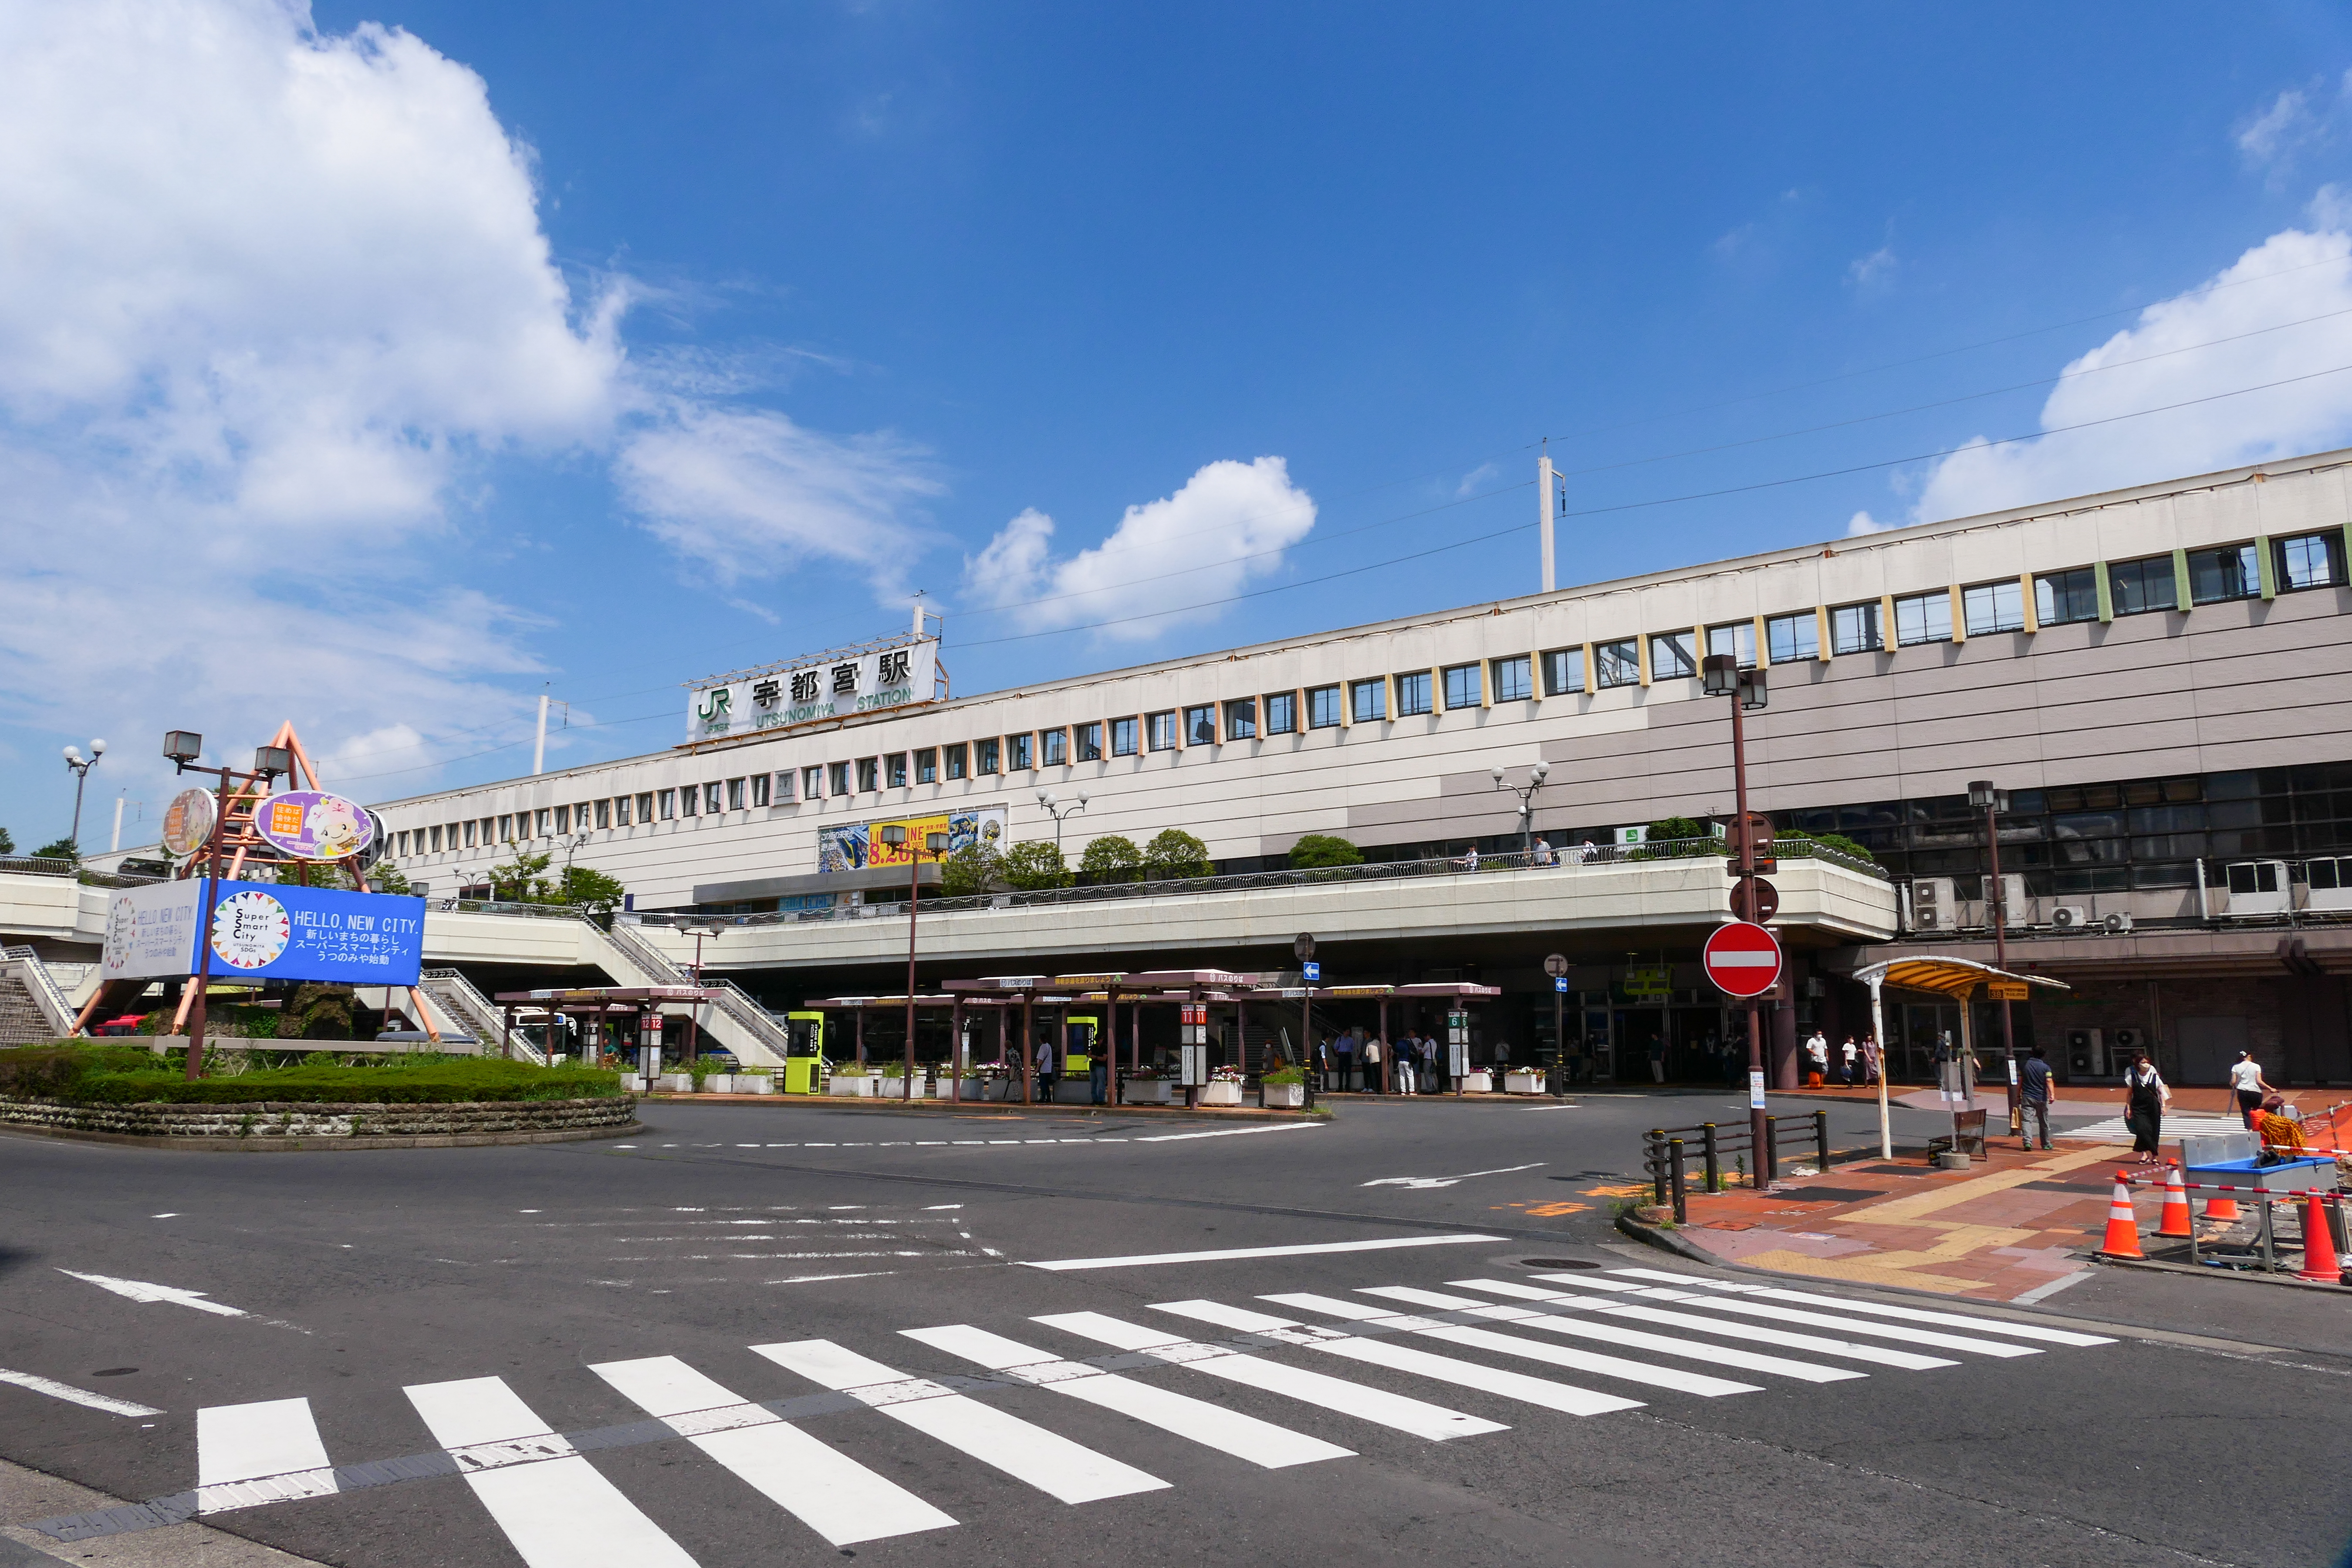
<point x="539" y="752"/>
<point x="1544" y="507"/>
<point x="1886" y="1061"/>
<point x="118" y="826"/>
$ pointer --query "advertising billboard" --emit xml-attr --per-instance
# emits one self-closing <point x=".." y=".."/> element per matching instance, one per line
<point x="855" y="846"/>
<point x="266" y="930"/>
<point x="311" y="825"/>
<point x="819" y="687"/>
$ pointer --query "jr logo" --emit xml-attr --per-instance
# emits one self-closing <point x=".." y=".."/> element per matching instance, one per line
<point x="715" y="705"/>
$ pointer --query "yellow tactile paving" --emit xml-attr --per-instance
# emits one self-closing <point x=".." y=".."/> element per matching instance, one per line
<point x="1872" y="1271"/>
<point x="1910" y="1210"/>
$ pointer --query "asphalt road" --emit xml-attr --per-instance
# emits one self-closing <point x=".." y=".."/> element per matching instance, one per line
<point x="535" y="1308"/>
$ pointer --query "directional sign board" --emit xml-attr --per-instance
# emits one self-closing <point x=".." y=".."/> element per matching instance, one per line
<point x="1311" y="972"/>
<point x="1768" y="901"/>
<point x="1742" y="959"/>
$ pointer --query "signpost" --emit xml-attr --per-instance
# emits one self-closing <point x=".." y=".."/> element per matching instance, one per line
<point x="1764" y="898"/>
<point x="1742" y="959"/>
<point x="1556" y="965"/>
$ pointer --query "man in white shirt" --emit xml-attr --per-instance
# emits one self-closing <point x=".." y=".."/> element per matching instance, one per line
<point x="1817" y="1060"/>
<point x="2246" y="1080"/>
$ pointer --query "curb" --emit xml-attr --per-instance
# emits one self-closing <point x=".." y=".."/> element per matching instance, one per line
<point x="859" y="1104"/>
<point x="2245" y="1276"/>
<point x="308" y="1144"/>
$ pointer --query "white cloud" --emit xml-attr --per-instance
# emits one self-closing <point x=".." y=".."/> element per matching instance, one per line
<point x="1874" y="271"/>
<point x="1226" y="528"/>
<point x="1862" y="522"/>
<point x="1475" y="478"/>
<point x="267" y="299"/>
<point x="748" y="493"/>
<point x="2289" y="278"/>
<point x="2270" y="134"/>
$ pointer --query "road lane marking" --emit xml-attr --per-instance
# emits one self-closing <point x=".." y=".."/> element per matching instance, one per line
<point x="830" y="1492"/>
<point x="1563" y="1397"/>
<point x="68" y="1392"/>
<point x="1611" y="1307"/>
<point x="1419" y="1181"/>
<point x="1908" y="1314"/>
<point x="1262" y="1443"/>
<point x="2042" y="1293"/>
<point x="1143" y="1260"/>
<point x="1746" y="1308"/>
<point x="1395" y="1411"/>
<point x="557" y="1510"/>
<point x="1610" y="1333"/>
<point x="1618" y="1367"/>
<point x="1228" y="1132"/>
<point x="252" y="1453"/>
<point x="141" y="1291"/>
<point x="1046" y="1460"/>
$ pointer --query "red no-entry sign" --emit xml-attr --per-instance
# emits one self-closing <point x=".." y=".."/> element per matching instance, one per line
<point x="1742" y="959"/>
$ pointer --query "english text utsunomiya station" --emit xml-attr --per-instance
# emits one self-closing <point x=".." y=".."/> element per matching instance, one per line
<point x="2158" y="676"/>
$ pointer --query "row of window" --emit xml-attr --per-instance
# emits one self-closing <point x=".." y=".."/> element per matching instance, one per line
<point x="555" y="821"/>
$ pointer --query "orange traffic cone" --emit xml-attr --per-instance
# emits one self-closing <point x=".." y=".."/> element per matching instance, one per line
<point x="2223" y="1207"/>
<point x="2319" y="1260"/>
<point x="2175" y="1221"/>
<point x="2123" y="1228"/>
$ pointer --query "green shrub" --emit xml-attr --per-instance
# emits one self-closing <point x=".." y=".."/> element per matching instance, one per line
<point x="1315" y="849"/>
<point x="1113" y="857"/>
<point x="1034" y="867"/>
<point x="1174" y="854"/>
<point x="115" y="1075"/>
<point x="1284" y="1075"/>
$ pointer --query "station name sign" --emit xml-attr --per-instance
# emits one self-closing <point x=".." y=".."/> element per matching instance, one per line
<point x="828" y="686"/>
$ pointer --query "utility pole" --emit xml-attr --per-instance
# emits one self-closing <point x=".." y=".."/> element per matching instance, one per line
<point x="1994" y="802"/>
<point x="1544" y="482"/>
<point x="539" y="751"/>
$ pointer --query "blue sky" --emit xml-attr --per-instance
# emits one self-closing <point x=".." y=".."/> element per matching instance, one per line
<point x="382" y="368"/>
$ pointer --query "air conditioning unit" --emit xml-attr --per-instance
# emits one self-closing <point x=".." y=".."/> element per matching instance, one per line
<point x="2011" y="894"/>
<point x="2127" y="1042"/>
<point x="2070" y="917"/>
<point x="2086" y="1053"/>
<point x="1933" y="907"/>
<point x="2260" y="887"/>
<point x="2116" y="924"/>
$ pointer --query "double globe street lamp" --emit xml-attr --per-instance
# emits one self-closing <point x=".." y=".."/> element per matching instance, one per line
<point x="82" y="766"/>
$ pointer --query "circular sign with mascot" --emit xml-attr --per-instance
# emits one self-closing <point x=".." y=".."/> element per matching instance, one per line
<point x="249" y="930"/>
<point x="188" y="822"/>
<point x="311" y="825"/>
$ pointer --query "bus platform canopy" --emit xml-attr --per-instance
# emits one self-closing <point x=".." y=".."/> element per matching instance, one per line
<point x="636" y="994"/>
<point x="1957" y="977"/>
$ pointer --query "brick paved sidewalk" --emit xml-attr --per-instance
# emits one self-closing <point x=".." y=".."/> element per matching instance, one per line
<point x="2002" y="1229"/>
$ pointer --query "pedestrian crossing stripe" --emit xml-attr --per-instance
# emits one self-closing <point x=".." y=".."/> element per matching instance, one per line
<point x="554" y="1507"/>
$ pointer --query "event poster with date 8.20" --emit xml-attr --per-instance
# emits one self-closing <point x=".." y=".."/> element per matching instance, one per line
<point x="267" y="931"/>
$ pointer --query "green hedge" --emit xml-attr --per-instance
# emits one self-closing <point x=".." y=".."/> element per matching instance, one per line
<point x="115" y="1075"/>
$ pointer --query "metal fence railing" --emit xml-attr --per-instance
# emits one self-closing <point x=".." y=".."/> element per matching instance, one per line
<point x="51" y="866"/>
<point x="1668" y="1153"/>
<point x="38" y="978"/>
<point x="1566" y="862"/>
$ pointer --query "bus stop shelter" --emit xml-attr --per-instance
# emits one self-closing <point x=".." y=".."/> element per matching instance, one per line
<point x="635" y="1001"/>
<point x="1959" y="980"/>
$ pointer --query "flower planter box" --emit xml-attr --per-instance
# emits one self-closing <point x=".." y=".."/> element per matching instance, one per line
<point x="718" y="1083"/>
<point x="895" y="1089"/>
<point x="1523" y="1083"/>
<point x="754" y="1083"/>
<point x="858" y="1088"/>
<point x="1221" y="1094"/>
<point x="1479" y="1083"/>
<point x="1146" y="1092"/>
<point x="678" y="1082"/>
<point x="1285" y="1096"/>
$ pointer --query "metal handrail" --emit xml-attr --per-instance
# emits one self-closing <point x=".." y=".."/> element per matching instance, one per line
<point x="473" y="1009"/>
<point x="739" y="1006"/>
<point x="1567" y="860"/>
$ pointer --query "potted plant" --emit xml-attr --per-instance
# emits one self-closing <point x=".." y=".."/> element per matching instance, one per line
<point x="852" y="1080"/>
<point x="758" y="1080"/>
<point x="1478" y="1080"/>
<point x="678" y="1082"/>
<point x="1146" y="1086"/>
<point x="894" y="1083"/>
<point x="1223" y="1088"/>
<point x="1285" y="1089"/>
<point x="1523" y="1081"/>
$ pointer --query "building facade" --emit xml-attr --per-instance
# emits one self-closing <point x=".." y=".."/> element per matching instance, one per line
<point x="2158" y="676"/>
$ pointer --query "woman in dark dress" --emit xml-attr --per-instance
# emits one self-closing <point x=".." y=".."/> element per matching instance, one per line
<point x="2144" y="1098"/>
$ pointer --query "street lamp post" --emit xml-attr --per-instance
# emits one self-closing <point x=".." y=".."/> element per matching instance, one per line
<point x="1059" y="812"/>
<point x="894" y="834"/>
<point x="82" y="766"/>
<point x="1747" y="690"/>
<point x="694" y="1014"/>
<point x="1526" y="793"/>
<point x="1992" y="803"/>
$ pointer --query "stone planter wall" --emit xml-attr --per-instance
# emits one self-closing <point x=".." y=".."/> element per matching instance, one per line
<point x="272" y="1124"/>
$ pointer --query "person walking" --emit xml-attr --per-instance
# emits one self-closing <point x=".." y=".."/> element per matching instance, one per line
<point x="1817" y="1059"/>
<point x="1849" y="1069"/>
<point x="1369" y="1056"/>
<point x="1408" y="1062"/>
<point x="1657" y="1058"/>
<point x="2144" y="1098"/>
<point x="2035" y="1085"/>
<point x="1343" y="1054"/>
<point x="2247" y="1083"/>
<point x="1049" y="1068"/>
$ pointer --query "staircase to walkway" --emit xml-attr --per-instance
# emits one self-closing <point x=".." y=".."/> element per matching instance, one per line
<point x="736" y="1020"/>
<point x="467" y="1008"/>
<point x="32" y="1007"/>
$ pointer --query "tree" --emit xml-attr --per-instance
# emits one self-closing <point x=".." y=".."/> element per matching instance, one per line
<point x="974" y="869"/>
<point x="1324" y="849"/>
<point x="522" y="880"/>
<point x="7" y="844"/>
<point x="1173" y="854"/>
<point x="1035" y="866"/>
<point x="1668" y="828"/>
<point x="1112" y="859"/>
<point x="318" y="1010"/>
<point x="383" y="877"/>
<point x="591" y="889"/>
<point x="59" y="850"/>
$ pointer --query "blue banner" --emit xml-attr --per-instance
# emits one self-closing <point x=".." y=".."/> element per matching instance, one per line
<point x="273" y="931"/>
